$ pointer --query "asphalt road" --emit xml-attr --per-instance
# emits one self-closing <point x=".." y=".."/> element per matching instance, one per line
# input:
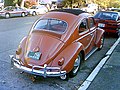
<point x="11" y="32"/>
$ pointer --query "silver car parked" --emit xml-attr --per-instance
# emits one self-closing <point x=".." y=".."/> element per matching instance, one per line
<point x="12" y="11"/>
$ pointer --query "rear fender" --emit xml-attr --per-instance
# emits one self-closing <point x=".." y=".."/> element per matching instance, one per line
<point x="99" y="34"/>
<point x="22" y="47"/>
<point x="69" y="54"/>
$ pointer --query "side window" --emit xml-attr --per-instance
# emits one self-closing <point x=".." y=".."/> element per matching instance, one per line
<point x="91" y="23"/>
<point x="83" y="26"/>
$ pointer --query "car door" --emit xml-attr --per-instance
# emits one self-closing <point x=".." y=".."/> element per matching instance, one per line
<point x="9" y="10"/>
<point x="85" y="35"/>
<point x="20" y="11"/>
<point x="17" y="11"/>
<point x="12" y="11"/>
<point x="92" y="28"/>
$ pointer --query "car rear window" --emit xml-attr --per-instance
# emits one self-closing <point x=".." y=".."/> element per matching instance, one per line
<point x="107" y="15"/>
<point x="52" y="25"/>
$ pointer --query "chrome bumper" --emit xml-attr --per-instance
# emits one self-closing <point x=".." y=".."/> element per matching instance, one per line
<point x="44" y="71"/>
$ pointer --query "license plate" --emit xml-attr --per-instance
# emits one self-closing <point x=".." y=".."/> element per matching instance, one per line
<point x="34" y="55"/>
<point x="101" y="25"/>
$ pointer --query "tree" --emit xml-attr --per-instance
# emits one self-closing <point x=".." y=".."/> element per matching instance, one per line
<point x="17" y="2"/>
<point x="70" y="3"/>
<point x="108" y="3"/>
<point x="12" y="2"/>
<point x="8" y="2"/>
<point x="102" y="3"/>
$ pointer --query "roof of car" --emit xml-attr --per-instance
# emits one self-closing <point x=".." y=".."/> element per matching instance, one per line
<point x="109" y="11"/>
<point x="72" y="11"/>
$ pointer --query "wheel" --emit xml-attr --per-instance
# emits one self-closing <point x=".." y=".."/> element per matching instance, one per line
<point x="118" y="34"/>
<point x="64" y="77"/>
<point x="76" y="66"/>
<point x="23" y="14"/>
<point x="7" y="15"/>
<point x="101" y="43"/>
<point x="34" y="13"/>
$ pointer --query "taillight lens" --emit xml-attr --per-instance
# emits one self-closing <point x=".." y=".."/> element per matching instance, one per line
<point x="61" y="61"/>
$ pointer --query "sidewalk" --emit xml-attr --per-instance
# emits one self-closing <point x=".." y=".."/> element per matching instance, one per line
<point x="106" y="76"/>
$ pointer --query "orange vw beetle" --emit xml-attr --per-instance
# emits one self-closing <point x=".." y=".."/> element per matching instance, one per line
<point x="57" y="44"/>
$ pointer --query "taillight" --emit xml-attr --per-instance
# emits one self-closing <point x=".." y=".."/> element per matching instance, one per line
<point x="61" y="61"/>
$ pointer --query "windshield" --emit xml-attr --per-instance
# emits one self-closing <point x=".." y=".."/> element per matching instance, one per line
<point x="52" y="25"/>
<point x="107" y="15"/>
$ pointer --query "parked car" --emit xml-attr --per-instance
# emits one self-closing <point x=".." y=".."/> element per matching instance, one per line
<point x="109" y="21"/>
<point x="12" y="11"/>
<point x="91" y="8"/>
<point x="56" y="45"/>
<point x="40" y="9"/>
<point x="114" y="9"/>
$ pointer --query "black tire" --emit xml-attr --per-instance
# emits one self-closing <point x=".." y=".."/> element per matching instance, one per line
<point x="77" y="65"/>
<point x="34" y="13"/>
<point x="118" y="33"/>
<point x="102" y="43"/>
<point x="7" y="15"/>
<point x="23" y="14"/>
<point x="0" y="8"/>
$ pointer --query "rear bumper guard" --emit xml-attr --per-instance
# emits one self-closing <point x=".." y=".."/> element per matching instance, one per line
<point x="44" y="71"/>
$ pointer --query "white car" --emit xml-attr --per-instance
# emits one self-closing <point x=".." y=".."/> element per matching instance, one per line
<point x="91" y="8"/>
<point x="35" y="10"/>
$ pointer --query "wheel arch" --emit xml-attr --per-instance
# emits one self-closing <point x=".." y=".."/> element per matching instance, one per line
<point x="83" y="55"/>
<point x="7" y="13"/>
<point x="24" y="14"/>
<point x="34" y="12"/>
<point x="69" y="54"/>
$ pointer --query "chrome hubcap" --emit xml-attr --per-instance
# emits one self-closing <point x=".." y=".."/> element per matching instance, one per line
<point x="63" y="77"/>
<point x="7" y="15"/>
<point x="76" y="64"/>
<point x="23" y="14"/>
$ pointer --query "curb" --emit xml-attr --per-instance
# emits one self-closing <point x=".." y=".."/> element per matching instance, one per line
<point x="94" y="73"/>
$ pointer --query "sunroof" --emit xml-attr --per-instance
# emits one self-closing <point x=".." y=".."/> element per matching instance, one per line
<point x="72" y="11"/>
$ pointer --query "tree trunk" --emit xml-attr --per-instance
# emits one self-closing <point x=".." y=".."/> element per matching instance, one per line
<point x="22" y="3"/>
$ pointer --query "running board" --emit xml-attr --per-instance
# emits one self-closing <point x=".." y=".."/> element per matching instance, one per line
<point x="88" y="55"/>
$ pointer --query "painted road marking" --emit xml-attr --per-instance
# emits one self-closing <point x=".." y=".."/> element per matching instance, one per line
<point x="113" y="47"/>
<point x="94" y="73"/>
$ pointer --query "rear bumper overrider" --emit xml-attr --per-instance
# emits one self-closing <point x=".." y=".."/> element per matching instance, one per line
<point x="44" y="71"/>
